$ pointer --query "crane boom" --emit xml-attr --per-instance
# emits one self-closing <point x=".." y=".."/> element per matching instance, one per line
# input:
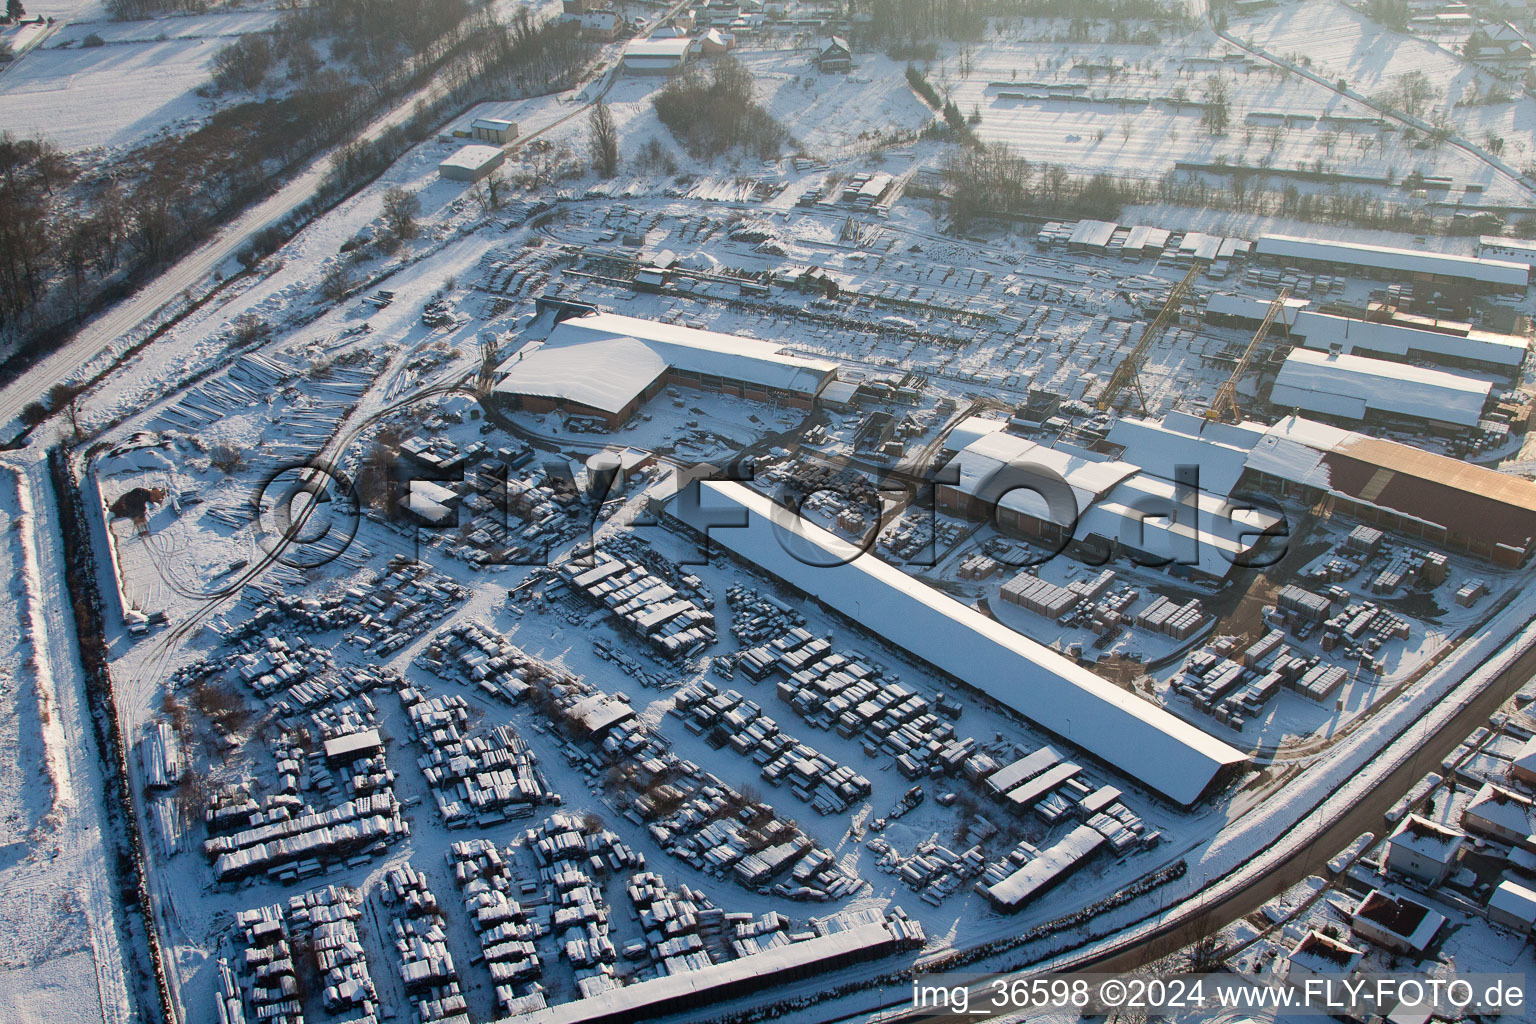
<point x="1226" y="396"/>
<point x="1128" y="372"/>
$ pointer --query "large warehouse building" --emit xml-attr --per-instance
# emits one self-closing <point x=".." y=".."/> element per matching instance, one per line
<point x="1443" y="344"/>
<point x="1355" y="389"/>
<point x="1444" y="501"/>
<point x="1467" y="273"/>
<point x="1050" y="494"/>
<point x="606" y="366"/>
<point x="1132" y="735"/>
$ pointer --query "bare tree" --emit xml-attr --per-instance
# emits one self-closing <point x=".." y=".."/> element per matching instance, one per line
<point x="336" y="281"/>
<point x="604" y="140"/>
<point x="400" y="210"/>
<point x="489" y="191"/>
<point x="1218" y="106"/>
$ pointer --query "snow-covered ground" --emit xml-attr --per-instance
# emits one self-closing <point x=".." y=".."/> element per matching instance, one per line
<point x="981" y="320"/>
<point x="63" y="959"/>
<point x="141" y="82"/>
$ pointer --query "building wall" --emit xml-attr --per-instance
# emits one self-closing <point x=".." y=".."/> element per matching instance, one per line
<point x="739" y="389"/>
<point x="1407" y="861"/>
<point x="1386" y="519"/>
<point x="1368" y="929"/>
<point x="1440" y="281"/>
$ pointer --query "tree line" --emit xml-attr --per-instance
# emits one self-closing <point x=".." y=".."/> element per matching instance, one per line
<point x="992" y="180"/>
<point x="74" y="236"/>
<point x="887" y="22"/>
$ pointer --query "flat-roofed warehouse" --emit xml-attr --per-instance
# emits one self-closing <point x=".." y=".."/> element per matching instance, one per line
<point x="1134" y="736"/>
<point x="471" y="163"/>
<point x="1513" y="250"/>
<point x="1456" y="345"/>
<point x="842" y="940"/>
<point x="1225" y="309"/>
<point x="1468" y="272"/>
<point x="1415" y="493"/>
<point x="1356" y="389"/>
<point x="655" y="56"/>
<point x="606" y="366"/>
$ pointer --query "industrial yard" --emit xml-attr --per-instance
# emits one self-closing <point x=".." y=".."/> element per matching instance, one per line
<point x="1015" y="505"/>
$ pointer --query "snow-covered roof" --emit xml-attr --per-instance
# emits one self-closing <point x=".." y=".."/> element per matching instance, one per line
<point x="1515" y="900"/>
<point x="1515" y="250"/>
<point x="1046" y="870"/>
<point x="1324" y="330"/>
<point x="426" y="508"/>
<point x="1249" y="307"/>
<point x="599" y="373"/>
<point x="600" y="711"/>
<point x="434" y="491"/>
<point x="1214" y="532"/>
<point x="1377" y="257"/>
<point x="473" y="157"/>
<point x="981" y="463"/>
<point x="1501" y="808"/>
<point x="671" y="49"/>
<point x="1137" y="737"/>
<point x="352" y="743"/>
<point x="1349" y="387"/>
<point x="704" y="352"/>
<point x="1219" y="450"/>
<point x="1427" y="839"/>
<point x="1525" y="757"/>
<point x="972" y="428"/>
<point x="493" y="123"/>
<point x="654" y="997"/>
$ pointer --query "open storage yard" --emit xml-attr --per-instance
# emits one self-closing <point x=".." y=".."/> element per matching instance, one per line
<point x="719" y="583"/>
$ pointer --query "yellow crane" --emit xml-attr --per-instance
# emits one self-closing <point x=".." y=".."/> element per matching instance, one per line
<point x="1128" y="370"/>
<point x="1226" y="396"/>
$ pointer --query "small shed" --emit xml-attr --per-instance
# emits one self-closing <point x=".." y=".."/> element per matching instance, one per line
<point x="493" y="129"/>
<point x="1513" y="906"/>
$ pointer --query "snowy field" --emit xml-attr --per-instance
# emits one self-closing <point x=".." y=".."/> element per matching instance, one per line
<point x="1137" y="111"/>
<point x="1373" y="60"/>
<point x="141" y="82"/>
<point x="61" y="951"/>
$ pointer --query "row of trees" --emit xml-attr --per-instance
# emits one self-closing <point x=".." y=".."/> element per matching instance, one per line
<point x="993" y="180"/>
<point x="910" y="23"/>
<point x="987" y="180"/>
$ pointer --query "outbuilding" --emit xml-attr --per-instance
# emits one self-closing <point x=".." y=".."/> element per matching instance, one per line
<point x="835" y="56"/>
<point x="493" y="129"/>
<point x="656" y="56"/>
<point x="471" y="163"/>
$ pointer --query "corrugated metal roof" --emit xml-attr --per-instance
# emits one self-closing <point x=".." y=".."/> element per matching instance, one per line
<point x="1496" y="272"/>
<point x="1349" y="386"/>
